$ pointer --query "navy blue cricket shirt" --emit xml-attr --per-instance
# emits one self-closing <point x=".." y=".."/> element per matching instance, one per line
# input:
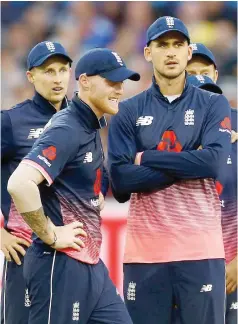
<point x="69" y="154"/>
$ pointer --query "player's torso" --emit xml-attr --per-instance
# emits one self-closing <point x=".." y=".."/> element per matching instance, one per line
<point x="27" y="125"/>
<point x="186" y="214"/>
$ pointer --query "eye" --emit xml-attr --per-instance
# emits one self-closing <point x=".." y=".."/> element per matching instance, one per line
<point x="179" y="44"/>
<point x="205" y="73"/>
<point x="49" y="72"/>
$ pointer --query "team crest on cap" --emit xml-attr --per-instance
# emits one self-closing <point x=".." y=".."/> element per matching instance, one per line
<point x="50" y="46"/>
<point x="170" y="22"/>
<point x="200" y="78"/>
<point x="194" y="47"/>
<point x="119" y="60"/>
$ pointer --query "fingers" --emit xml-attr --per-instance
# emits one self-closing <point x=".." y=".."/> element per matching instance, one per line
<point x="79" y="242"/>
<point x="23" y="242"/>
<point x="76" y="247"/>
<point x="75" y="224"/>
<point x="14" y="255"/>
<point x="6" y="254"/>
<point x="19" y="248"/>
<point x="230" y="287"/>
<point x="80" y="231"/>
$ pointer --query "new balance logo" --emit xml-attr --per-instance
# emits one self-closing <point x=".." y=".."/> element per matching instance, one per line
<point x="144" y="120"/>
<point x="27" y="299"/>
<point x="170" y="22"/>
<point x="206" y="288"/>
<point x="189" y="117"/>
<point x="35" y="133"/>
<point x="50" y="46"/>
<point x="95" y="202"/>
<point x="76" y="309"/>
<point x="229" y="160"/>
<point x="234" y="305"/>
<point x="119" y="60"/>
<point x="131" y="292"/>
<point x="88" y="157"/>
<point x="194" y="47"/>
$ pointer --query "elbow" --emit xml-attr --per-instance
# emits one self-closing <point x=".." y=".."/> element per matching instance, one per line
<point x="13" y="186"/>
<point x="213" y="170"/>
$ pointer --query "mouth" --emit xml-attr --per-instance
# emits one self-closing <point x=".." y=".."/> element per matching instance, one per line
<point x="171" y="63"/>
<point x="57" y="89"/>
<point x="114" y="100"/>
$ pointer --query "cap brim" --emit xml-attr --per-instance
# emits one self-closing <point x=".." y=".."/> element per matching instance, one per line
<point x="168" y="31"/>
<point x="120" y="74"/>
<point x="43" y="59"/>
<point x="211" y="87"/>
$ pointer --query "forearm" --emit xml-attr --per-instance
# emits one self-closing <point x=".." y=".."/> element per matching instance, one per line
<point x="184" y="165"/>
<point x="40" y="225"/>
<point x="130" y="178"/>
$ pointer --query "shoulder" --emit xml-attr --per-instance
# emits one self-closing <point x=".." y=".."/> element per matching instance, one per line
<point x="19" y="107"/>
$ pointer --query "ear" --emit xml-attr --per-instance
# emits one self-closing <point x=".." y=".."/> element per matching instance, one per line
<point x="147" y="54"/>
<point x="30" y="76"/>
<point x="216" y="76"/>
<point x="190" y="52"/>
<point x="84" y="82"/>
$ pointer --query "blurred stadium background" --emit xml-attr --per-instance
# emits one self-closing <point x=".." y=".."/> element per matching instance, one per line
<point x="121" y="26"/>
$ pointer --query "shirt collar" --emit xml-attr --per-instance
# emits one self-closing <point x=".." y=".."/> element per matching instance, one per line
<point x="156" y="89"/>
<point x="86" y="114"/>
<point x="45" y="106"/>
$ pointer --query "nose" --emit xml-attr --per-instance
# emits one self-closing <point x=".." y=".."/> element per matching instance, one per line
<point x="57" y="78"/>
<point x="171" y="53"/>
<point x="119" y="88"/>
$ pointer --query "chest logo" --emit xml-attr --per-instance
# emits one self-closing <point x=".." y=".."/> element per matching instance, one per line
<point x="189" y="117"/>
<point x="88" y="157"/>
<point x="35" y="133"/>
<point x="169" y="142"/>
<point x="144" y="121"/>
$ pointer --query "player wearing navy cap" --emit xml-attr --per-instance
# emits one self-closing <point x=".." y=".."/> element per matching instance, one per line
<point x="203" y="63"/>
<point x="48" y="67"/>
<point x="67" y="282"/>
<point x="174" y="212"/>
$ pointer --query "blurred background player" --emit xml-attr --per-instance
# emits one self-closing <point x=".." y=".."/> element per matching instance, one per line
<point x="48" y="67"/>
<point x="203" y="63"/>
<point x="169" y="256"/>
<point x="67" y="281"/>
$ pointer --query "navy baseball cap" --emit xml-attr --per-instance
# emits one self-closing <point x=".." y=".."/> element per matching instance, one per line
<point x="44" y="50"/>
<point x="201" y="50"/>
<point x="106" y="63"/>
<point x="204" y="82"/>
<point x="164" y="25"/>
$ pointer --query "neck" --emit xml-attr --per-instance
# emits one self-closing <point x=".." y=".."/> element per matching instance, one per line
<point x="85" y="99"/>
<point x="170" y="87"/>
<point x="57" y="105"/>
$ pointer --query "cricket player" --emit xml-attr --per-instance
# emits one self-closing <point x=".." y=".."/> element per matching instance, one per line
<point x="203" y="63"/>
<point x="174" y="210"/>
<point x="58" y="197"/>
<point x="48" y="67"/>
